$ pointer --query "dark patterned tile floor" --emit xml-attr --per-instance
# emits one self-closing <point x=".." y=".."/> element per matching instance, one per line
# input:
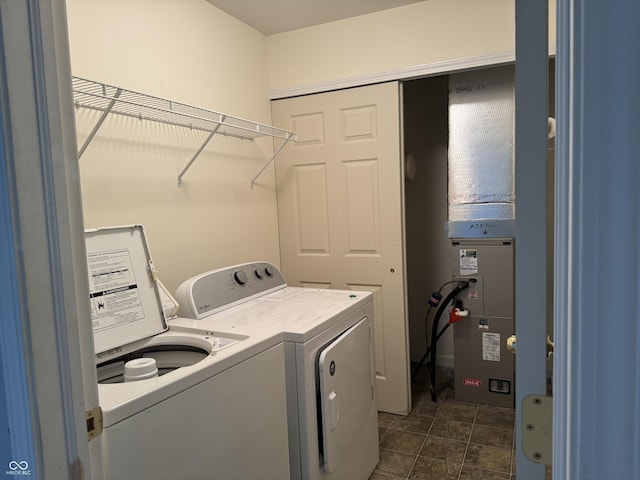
<point x="447" y="439"/>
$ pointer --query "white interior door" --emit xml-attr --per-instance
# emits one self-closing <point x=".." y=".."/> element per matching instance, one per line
<point x="340" y="212"/>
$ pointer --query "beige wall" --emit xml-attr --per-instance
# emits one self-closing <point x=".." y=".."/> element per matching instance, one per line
<point x="430" y="33"/>
<point x="191" y="52"/>
<point x="426" y="105"/>
<point x="421" y="33"/>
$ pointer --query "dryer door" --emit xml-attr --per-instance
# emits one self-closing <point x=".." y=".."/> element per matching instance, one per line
<point x="346" y="391"/>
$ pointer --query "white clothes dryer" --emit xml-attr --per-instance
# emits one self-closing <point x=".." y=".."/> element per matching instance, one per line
<point x="329" y="358"/>
<point x="175" y="404"/>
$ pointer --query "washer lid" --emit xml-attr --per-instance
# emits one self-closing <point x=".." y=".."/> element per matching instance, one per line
<point x="123" y="291"/>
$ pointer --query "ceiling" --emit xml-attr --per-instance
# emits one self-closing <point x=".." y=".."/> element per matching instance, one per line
<point x="277" y="16"/>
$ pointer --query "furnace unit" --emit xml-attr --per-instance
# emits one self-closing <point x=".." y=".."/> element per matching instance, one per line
<point x="484" y="369"/>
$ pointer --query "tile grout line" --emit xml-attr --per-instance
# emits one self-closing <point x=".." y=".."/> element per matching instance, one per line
<point x="420" y="449"/>
<point x="467" y="444"/>
<point x="433" y="419"/>
<point x="464" y="457"/>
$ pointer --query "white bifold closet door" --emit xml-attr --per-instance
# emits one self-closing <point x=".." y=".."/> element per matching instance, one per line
<point x="340" y="211"/>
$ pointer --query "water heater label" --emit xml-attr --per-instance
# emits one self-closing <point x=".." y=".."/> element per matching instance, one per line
<point x="491" y="346"/>
<point x="468" y="262"/>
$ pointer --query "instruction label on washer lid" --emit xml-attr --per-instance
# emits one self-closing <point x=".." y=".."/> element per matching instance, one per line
<point x="491" y="346"/>
<point x="113" y="290"/>
<point x="468" y="262"/>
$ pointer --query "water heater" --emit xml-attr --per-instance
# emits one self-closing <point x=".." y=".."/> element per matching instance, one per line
<point x="484" y="368"/>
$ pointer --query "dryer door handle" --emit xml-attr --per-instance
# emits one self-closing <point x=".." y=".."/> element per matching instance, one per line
<point x="334" y="409"/>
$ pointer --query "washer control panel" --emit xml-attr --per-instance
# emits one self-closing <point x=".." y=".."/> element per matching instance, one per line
<point x="217" y="290"/>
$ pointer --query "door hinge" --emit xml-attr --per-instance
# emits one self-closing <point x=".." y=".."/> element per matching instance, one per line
<point x="94" y="422"/>
<point x="537" y="428"/>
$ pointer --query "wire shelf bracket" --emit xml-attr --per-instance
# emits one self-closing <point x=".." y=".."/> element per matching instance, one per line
<point x="195" y="155"/>
<point x="115" y="100"/>
<point x="286" y="140"/>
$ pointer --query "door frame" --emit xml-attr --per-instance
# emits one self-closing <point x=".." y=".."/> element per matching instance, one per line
<point x="45" y="247"/>
<point x="597" y="362"/>
<point x="531" y="104"/>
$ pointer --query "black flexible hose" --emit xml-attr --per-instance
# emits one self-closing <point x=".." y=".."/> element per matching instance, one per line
<point x="426" y="354"/>
<point x="434" y="334"/>
<point x="426" y="323"/>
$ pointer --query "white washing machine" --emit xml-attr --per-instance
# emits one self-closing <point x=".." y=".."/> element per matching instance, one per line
<point x="175" y="404"/>
<point x="329" y="355"/>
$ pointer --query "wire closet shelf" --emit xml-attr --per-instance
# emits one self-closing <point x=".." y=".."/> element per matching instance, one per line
<point x="110" y="99"/>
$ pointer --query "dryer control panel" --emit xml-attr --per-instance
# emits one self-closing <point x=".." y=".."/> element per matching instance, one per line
<point x="217" y="290"/>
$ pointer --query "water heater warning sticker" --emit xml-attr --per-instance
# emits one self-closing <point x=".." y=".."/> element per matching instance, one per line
<point x="468" y="262"/>
<point x="491" y="346"/>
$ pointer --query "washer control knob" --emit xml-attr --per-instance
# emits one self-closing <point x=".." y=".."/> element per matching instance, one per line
<point x="259" y="273"/>
<point x="269" y="271"/>
<point x="240" y="277"/>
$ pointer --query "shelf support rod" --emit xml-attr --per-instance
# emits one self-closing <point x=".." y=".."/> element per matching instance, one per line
<point x="199" y="151"/>
<point x="253" y="180"/>
<point x="99" y="123"/>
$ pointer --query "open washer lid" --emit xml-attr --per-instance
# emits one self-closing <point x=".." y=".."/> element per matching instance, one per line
<point x="123" y="291"/>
